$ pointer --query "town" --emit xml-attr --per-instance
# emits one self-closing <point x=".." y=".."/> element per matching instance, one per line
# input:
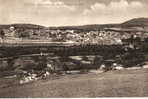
<point x="37" y="53"/>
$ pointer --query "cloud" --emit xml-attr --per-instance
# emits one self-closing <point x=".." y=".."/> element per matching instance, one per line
<point x="44" y="12"/>
<point x="68" y="12"/>
<point x="53" y="4"/>
<point x="115" y="11"/>
<point x="120" y="6"/>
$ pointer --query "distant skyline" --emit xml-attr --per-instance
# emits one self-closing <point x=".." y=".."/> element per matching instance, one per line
<point x="71" y="12"/>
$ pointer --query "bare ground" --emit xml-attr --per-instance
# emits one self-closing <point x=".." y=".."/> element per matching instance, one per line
<point x="125" y="83"/>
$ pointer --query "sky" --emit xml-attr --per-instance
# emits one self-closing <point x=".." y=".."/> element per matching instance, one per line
<point x="71" y="12"/>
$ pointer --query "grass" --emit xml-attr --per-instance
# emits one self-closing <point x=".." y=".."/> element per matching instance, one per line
<point x="125" y="83"/>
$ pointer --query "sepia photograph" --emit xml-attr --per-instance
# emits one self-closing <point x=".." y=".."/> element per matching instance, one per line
<point x="73" y="48"/>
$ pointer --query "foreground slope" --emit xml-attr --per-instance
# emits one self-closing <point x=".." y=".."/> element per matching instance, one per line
<point x="126" y="83"/>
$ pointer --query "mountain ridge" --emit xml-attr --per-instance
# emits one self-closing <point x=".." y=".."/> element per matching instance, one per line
<point x="139" y="22"/>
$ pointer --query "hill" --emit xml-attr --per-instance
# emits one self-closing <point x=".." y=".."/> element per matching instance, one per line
<point x="86" y="27"/>
<point x="133" y="25"/>
<point x="136" y="22"/>
<point x="24" y="26"/>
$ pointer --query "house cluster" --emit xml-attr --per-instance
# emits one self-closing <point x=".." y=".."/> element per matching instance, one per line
<point x="84" y="37"/>
<point x="93" y="37"/>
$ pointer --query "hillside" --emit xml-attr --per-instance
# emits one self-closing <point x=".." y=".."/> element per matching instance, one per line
<point x="136" y="22"/>
<point x="126" y="83"/>
<point x="86" y="27"/>
<point x="133" y="25"/>
<point x="24" y="26"/>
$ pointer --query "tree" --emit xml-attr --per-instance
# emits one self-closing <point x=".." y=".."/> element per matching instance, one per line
<point x="2" y="34"/>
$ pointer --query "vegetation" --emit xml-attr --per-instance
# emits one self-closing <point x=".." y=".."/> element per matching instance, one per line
<point x="129" y="83"/>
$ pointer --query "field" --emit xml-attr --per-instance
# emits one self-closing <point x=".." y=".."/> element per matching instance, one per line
<point x="125" y="83"/>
